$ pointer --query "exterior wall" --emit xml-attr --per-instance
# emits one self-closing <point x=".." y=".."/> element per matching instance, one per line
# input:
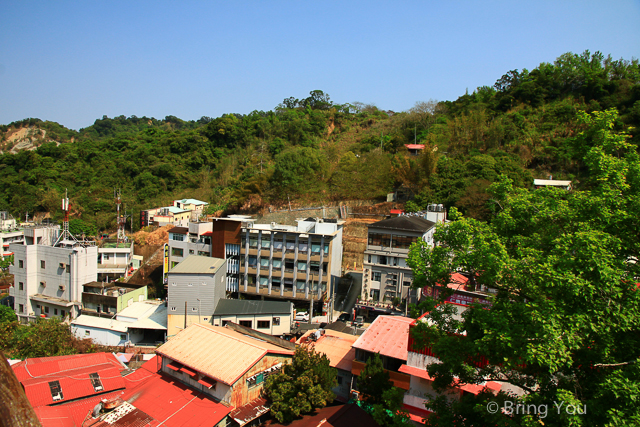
<point x="100" y="336"/>
<point x="224" y="232"/>
<point x="138" y="295"/>
<point x="343" y="389"/>
<point x="115" y="256"/>
<point x="175" y="322"/>
<point x="283" y="328"/>
<point x="189" y="288"/>
<point x="242" y="393"/>
<point x="64" y="273"/>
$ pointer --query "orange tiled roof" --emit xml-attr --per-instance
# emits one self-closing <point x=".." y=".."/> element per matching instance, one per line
<point x="218" y="352"/>
<point x="387" y="335"/>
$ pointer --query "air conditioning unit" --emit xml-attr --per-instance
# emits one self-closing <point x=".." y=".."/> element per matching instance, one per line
<point x="61" y="287"/>
<point x="63" y="265"/>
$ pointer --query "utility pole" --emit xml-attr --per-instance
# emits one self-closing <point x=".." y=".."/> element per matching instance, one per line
<point x="311" y="306"/>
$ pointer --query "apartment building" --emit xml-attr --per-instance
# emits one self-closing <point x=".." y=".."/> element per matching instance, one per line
<point x="114" y="258"/>
<point x="48" y="279"/>
<point x="386" y="273"/>
<point x="180" y="213"/>
<point x="196" y="207"/>
<point x="298" y="262"/>
<point x="9" y="233"/>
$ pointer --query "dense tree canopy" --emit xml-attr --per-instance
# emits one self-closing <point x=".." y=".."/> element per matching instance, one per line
<point x="564" y="323"/>
<point x="301" y="386"/>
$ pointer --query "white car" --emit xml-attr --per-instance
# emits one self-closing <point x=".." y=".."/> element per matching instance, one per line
<point x="302" y="317"/>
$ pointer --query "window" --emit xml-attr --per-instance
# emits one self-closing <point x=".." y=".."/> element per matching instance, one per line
<point x="20" y="308"/>
<point x="369" y="258"/>
<point x="265" y="244"/>
<point x="276" y="321"/>
<point x="56" y="391"/>
<point x="190" y="251"/>
<point x="246" y="323"/>
<point x="300" y="284"/>
<point x="194" y="308"/>
<point x="377" y="239"/>
<point x="42" y="264"/>
<point x="326" y="249"/>
<point x="173" y="308"/>
<point x="46" y="310"/>
<point x="302" y="266"/>
<point x="276" y="264"/>
<point x="339" y="380"/>
<point x="376" y="276"/>
<point x="315" y="248"/>
<point x="68" y="268"/>
<point x="264" y="262"/>
<point x="264" y="281"/>
<point x="95" y="381"/>
<point x="177" y="237"/>
<point x="288" y="266"/>
<point x="224" y="322"/>
<point x="20" y="263"/>
<point x="403" y="242"/>
<point x="382" y="259"/>
<point x="203" y="253"/>
<point x="177" y="252"/>
<point x="55" y="311"/>
<point x="253" y="242"/>
<point x="21" y="286"/>
<point x="174" y="263"/>
<point x="63" y="313"/>
<point x="87" y="333"/>
<point x="105" y="257"/>
<point x="253" y="261"/>
<point x="263" y="324"/>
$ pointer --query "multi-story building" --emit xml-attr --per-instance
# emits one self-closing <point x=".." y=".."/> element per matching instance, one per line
<point x="106" y="299"/>
<point x="114" y="259"/>
<point x="195" y="239"/>
<point x="178" y="214"/>
<point x="48" y="279"/>
<point x="9" y="233"/>
<point x="386" y="273"/>
<point x="194" y="288"/>
<point x="299" y="262"/>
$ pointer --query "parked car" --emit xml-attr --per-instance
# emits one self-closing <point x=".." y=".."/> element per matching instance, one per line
<point x="302" y="317"/>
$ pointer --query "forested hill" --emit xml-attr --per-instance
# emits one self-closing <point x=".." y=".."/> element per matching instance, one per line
<point x="312" y="150"/>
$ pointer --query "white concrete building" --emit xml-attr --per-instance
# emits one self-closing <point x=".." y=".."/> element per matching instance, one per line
<point x="48" y="279"/>
<point x="114" y="259"/>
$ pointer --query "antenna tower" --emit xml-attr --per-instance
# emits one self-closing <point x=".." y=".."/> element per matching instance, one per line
<point x="121" y="219"/>
<point x="66" y="234"/>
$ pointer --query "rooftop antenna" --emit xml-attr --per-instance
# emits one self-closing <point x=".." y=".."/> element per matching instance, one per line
<point x="66" y="234"/>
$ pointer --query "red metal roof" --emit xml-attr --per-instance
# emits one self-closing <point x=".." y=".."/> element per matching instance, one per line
<point x="387" y="335"/>
<point x="72" y="374"/>
<point x="249" y="412"/>
<point x="207" y="233"/>
<point x="414" y="146"/>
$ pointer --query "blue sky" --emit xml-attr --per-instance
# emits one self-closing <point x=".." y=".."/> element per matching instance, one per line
<point x="73" y="62"/>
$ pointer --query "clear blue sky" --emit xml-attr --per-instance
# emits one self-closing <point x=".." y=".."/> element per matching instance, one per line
<point x="73" y="62"/>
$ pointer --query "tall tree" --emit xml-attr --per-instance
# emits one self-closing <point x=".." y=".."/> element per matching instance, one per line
<point x="564" y="323"/>
<point x="382" y="400"/>
<point x="301" y="386"/>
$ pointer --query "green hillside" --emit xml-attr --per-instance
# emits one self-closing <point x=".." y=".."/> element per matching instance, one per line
<point x="311" y="150"/>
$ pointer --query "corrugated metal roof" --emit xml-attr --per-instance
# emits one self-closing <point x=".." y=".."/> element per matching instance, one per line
<point x="72" y="374"/>
<point x="387" y="335"/>
<point x="198" y="264"/>
<point x="192" y="202"/>
<point x="404" y="222"/>
<point x="100" y="322"/>
<point x="157" y="319"/>
<point x="179" y="230"/>
<point x="218" y="352"/>
<point x="551" y="182"/>
<point x="235" y="306"/>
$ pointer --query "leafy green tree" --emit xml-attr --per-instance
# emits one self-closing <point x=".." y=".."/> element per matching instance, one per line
<point x="563" y="325"/>
<point x="382" y="400"/>
<point x="301" y="386"/>
<point x="78" y="227"/>
<point x="7" y="314"/>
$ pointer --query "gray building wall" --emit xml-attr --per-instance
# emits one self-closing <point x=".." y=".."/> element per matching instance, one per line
<point x="189" y="288"/>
